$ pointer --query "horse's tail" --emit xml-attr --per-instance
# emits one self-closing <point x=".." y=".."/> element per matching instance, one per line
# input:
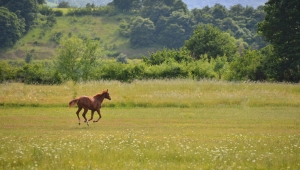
<point x="73" y="102"/>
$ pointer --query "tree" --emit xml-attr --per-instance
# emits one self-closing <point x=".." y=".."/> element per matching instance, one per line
<point x="169" y="2"/>
<point x="202" y="16"/>
<point x="247" y="67"/>
<point x="281" y="28"/>
<point x="155" y="11"/>
<point x="76" y="58"/>
<point x="126" y="5"/>
<point x="209" y="40"/>
<point x="229" y="24"/>
<point x="63" y="4"/>
<point x="11" y="28"/>
<point x="41" y="1"/>
<point x="159" y="57"/>
<point x="236" y="10"/>
<point x="249" y="11"/>
<point x="180" y="6"/>
<point x="26" y="9"/>
<point x="174" y="30"/>
<point x="141" y="32"/>
<point x="219" y="11"/>
<point x="172" y="36"/>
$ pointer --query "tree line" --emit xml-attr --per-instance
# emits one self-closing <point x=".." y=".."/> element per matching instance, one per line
<point x="202" y="43"/>
<point x="169" y="22"/>
<point x="16" y="19"/>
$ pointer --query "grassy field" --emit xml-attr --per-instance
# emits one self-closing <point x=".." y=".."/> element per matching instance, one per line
<point x="176" y="124"/>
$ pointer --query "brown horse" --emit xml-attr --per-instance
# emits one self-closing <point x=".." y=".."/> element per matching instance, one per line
<point x="90" y="103"/>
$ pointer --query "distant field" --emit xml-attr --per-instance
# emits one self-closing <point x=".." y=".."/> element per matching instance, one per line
<point x="159" y="124"/>
<point x="51" y="4"/>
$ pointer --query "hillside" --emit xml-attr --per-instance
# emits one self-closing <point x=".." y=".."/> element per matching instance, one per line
<point x="115" y="31"/>
<point x="41" y="41"/>
<point x="190" y="3"/>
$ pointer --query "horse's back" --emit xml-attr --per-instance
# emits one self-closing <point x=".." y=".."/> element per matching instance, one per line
<point x="85" y="102"/>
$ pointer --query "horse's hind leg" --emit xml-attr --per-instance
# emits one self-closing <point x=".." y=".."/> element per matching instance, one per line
<point x="83" y="115"/>
<point x="98" y="111"/>
<point x="79" y="109"/>
<point x="92" y="115"/>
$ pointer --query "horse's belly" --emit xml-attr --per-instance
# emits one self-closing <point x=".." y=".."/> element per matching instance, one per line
<point x="89" y="103"/>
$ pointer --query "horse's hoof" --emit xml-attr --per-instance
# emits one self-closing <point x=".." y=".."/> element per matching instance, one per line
<point x="78" y="123"/>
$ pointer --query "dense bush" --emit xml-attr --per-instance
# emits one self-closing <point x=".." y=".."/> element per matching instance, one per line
<point x="45" y="10"/>
<point x="7" y="72"/>
<point x="247" y="67"/>
<point x="119" y="71"/>
<point x="165" y="64"/>
<point x="33" y="73"/>
<point x="201" y="69"/>
<point x="38" y="73"/>
<point x="58" y="13"/>
<point x="157" y="58"/>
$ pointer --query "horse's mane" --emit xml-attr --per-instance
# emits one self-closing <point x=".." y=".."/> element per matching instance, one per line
<point x="100" y="94"/>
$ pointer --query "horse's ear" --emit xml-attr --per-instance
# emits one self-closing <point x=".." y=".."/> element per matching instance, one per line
<point x="107" y="90"/>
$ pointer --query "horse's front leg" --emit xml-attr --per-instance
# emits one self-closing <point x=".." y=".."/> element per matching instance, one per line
<point x="92" y="115"/>
<point x="98" y="111"/>
<point x="79" y="109"/>
<point x="83" y="115"/>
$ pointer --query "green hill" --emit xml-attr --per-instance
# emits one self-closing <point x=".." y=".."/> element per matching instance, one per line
<point x="103" y="24"/>
<point x="42" y="41"/>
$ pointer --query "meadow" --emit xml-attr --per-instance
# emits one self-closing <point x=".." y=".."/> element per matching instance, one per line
<point x="159" y="124"/>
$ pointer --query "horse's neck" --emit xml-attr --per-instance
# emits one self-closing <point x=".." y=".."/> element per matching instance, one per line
<point x="99" y="97"/>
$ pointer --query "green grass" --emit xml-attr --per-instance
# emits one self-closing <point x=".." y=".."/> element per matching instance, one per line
<point x="151" y="138"/>
<point x="157" y="124"/>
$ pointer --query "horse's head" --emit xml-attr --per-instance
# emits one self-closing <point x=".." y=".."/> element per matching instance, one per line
<point x="106" y="94"/>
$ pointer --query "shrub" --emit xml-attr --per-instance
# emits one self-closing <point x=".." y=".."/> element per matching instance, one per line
<point x="58" y="13"/>
<point x="55" y="37"/>
<point x="161" y="56"/>
<point x="201" y="69"/>
<point x="7" y="72"/>
<point x="246" y="67"/>
<point x="45" y="10"/>
<point x="38" y="73"/>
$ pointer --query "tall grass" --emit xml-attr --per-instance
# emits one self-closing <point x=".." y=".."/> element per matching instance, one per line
<point x="157" y="93"/>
